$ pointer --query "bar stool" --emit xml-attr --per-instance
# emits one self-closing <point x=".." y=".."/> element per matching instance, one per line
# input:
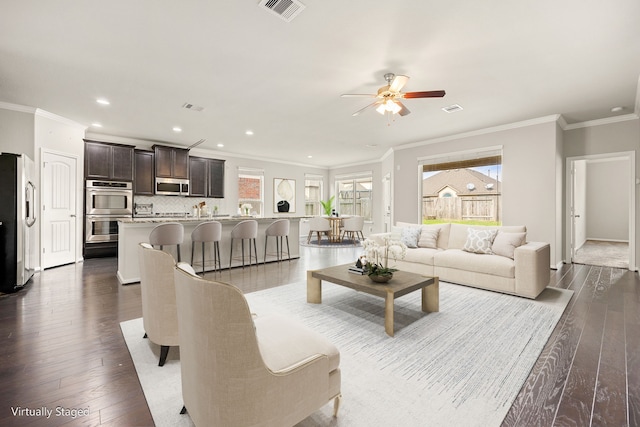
<point x="278" y="228"/>
<point x="245" y="230"/>
<point x="169" y="233"/>
<point x="207" y="232"/>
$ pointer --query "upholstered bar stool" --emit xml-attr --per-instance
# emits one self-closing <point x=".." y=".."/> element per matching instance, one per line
<point x="207" y="232"/>
<point x="170" y="233"/>
<point x="245" y="230"/>
<point x="278" y="229"/>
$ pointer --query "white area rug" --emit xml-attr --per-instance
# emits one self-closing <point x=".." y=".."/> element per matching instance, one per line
<point x="462" y="366"/>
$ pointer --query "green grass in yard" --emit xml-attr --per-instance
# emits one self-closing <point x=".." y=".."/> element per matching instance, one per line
<point x="465" y="221"/>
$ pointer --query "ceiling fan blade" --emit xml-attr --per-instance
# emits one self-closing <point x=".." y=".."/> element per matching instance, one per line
<point x="398" y="83"/>
<point x="404" y="110"/>
<point x="365" y="108"/>
<point x="358" y="95"/>
<point x="425" y="94"/>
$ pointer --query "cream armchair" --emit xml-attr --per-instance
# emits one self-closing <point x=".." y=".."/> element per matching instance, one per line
<point x="241" y="371"/>
<point x="159" y="314"/>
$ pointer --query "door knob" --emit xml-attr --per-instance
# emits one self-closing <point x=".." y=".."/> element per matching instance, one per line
<point x="577" y="216"/>
<point x="72" y="216"/>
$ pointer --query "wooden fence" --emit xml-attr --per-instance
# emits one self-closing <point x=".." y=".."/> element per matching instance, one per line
<point x="462" y="208"/>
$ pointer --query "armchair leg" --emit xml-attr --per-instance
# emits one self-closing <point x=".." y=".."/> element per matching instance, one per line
<point x="336" y="404"/>
<point x="183" y="410"/>
<point x="164" y="352"/>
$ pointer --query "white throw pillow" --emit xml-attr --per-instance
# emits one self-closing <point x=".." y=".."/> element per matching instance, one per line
<point x="505" y="244"/>
<point x="429" y="238"/>
<point x="410" y="236"/>
<point x="479" y="241"/>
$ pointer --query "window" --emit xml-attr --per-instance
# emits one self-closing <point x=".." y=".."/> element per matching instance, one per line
<point x="313" y="195"/>
<point x="354" y="195"/>
<point x="464" y="187"/>
<point x="251" y="189"/>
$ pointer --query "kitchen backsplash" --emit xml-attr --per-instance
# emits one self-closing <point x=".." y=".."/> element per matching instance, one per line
<point x="174" y="205"/>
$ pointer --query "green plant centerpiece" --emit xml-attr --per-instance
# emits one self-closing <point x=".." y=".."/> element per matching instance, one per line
<point x="378" y="253"/>
<point x="327" y="205"/>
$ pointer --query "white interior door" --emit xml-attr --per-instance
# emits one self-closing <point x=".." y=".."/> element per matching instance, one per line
<point x="59" y="221"/>
<point x="579" y="206"/>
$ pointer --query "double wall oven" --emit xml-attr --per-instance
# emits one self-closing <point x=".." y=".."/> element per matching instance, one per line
<point x="106" y="203"/>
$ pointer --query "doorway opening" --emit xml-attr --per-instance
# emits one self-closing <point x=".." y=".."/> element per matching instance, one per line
<point x="601" y="210"/>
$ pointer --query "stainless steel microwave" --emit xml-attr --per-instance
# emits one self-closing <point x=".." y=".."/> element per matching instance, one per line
<point x="172" y="186"/>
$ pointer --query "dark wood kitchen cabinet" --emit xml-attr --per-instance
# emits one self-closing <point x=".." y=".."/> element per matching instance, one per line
<point x="206" y="177"/>
<point x="198" y="176"/>
<point x="143" y="182"/>
<point x="171" y="162"/>
<point x="215" y="187"/>
<point x="108" y="161"/>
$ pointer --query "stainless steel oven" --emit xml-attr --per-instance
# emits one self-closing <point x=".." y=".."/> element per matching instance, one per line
<point x="109" y="198"/>
<point x="102" y="228"/>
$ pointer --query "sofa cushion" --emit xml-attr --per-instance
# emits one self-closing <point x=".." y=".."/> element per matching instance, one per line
<point x="420" y="256"/>
<point x="458" y="233"/>
<point x="410" y="236"/>
<point x="486" y="264"/>
<point x="506" y="243"/>
<point x="428" y="237"/>
<point x="443" y="233"/>
<point x="479" y="241"/>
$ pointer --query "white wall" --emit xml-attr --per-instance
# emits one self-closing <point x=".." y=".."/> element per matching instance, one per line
<point x="607" y="200"/>
<point x="531" y="177"/>
<point x="16" y="130"/>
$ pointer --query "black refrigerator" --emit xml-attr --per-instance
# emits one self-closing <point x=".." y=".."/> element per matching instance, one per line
<point x="18" y="255"/>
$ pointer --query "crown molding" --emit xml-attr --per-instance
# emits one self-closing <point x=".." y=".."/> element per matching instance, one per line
<point x="18" y="108"/>
<point x="59" y="119"/>
<point x="493" y="129"/>
<point x="598" y="122"/>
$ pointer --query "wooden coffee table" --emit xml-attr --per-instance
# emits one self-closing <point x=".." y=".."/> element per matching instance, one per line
<point x="401" y="284"/>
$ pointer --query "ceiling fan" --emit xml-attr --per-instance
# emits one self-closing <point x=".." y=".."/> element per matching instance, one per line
<point x="389" y="96"/>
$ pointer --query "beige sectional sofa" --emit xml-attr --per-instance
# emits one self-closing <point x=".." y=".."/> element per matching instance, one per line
<point x="522" y="268"/>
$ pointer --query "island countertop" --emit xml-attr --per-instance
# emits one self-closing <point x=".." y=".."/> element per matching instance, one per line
<point x="220" y="218"/>
<point x="133" y="231"/>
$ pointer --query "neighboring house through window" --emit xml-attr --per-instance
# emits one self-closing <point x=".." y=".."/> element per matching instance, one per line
<point x="462" y="187"/>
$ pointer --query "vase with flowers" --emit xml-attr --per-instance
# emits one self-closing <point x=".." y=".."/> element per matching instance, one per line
<point x="377" y="265"/>
<point x="246" y="209"/>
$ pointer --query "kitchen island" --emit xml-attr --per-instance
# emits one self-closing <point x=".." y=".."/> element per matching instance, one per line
<point x="133" y="231"/>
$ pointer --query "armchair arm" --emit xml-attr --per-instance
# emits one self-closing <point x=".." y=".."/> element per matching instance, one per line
<point x="532" y="262"/>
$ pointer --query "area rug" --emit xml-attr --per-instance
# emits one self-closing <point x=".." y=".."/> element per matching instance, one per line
<point x="602" y="253"/>
<point x="461" y="366"/>
<point x="327" y="244"/>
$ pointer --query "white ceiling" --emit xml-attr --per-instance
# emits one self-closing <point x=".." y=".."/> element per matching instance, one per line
<point x="501" y="61"/>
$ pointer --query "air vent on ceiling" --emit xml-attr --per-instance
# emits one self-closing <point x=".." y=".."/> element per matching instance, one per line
<point x="452" y="108"/>
<point x="285" y="9"/>
<point x="192" y="107"/>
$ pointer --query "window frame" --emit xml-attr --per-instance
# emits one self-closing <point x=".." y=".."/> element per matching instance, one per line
<point x="356" y="202"/>
<point x="252" y="174"/>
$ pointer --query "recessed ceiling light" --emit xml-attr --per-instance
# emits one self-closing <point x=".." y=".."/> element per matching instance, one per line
<point x="177" y="129"/>
<point x="371" y="145"/>
<point x="309" y="157"/>
<point x="220" y="145"/>
<point x="617" y="109"/>
<point x="96" y="125"/>
<point x="249" y="132"/>
<point x="102" y="101"/>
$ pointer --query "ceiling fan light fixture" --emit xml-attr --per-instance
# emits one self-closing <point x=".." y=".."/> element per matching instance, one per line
<point x="381" y="109"/>
<point x="393" y="107"/>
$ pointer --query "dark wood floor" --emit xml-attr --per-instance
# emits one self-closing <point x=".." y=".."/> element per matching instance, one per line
<point x="61" y="346"/>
